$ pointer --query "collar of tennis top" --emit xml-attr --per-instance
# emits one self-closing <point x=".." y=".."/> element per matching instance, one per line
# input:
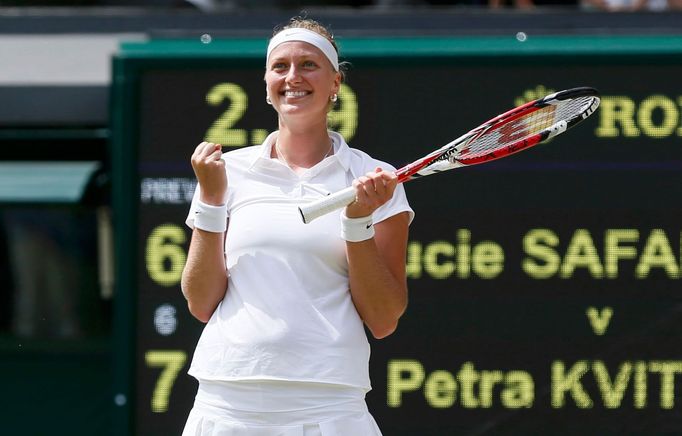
<point x="342" y="153"/>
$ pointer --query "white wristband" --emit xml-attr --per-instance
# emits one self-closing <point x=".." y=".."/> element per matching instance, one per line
<point x="210" y="218"/>
<point x="356" y="229"/>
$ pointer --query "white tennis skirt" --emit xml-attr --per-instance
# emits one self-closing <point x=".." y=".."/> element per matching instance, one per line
<point x="279" y="408"/>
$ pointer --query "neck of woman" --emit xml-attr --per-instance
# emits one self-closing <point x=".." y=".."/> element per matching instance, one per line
<point x="302" y="149"/>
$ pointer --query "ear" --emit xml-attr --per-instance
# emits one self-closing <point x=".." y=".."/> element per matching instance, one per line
<point x="337" y="83"/>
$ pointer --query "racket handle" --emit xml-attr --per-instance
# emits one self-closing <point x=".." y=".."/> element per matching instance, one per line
<point x="327" y="204"/>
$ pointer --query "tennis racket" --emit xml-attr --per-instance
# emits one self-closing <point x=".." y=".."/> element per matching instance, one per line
<point x="515" y="130"/>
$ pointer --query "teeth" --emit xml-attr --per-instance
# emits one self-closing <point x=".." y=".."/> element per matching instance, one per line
<point x="295" y="93"/>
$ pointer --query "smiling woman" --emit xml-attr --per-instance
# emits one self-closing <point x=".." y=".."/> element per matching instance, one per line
<point x="284" y="351"/>
<point x="302" y="82"/>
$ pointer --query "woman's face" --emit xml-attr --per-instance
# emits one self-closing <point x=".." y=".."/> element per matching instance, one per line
<point x="300" y="80"/>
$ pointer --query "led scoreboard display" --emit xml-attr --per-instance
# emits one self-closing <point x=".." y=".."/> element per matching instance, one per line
<point x="545" y="289"/>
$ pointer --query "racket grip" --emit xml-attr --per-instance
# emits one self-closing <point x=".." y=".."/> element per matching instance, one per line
<point x="327" y="204"/>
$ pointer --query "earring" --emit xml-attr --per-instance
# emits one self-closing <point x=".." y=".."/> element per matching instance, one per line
<point x="267" y="100"/>
<point x="333" y="98"/>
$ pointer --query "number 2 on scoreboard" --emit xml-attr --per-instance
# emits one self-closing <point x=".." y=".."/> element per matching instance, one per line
<point x="172" y="362"/>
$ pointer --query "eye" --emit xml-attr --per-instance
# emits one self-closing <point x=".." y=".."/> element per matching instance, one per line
<point x="279" y="66"/>
<point x="309" y="64"/>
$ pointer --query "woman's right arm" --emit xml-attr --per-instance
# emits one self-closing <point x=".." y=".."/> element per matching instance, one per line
<point x="204" y="278"/>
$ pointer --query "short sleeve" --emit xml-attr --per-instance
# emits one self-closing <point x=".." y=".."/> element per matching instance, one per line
<point x="397" y="204"/>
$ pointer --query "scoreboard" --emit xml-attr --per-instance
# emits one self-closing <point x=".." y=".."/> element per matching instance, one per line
<point x="545" y="289"/>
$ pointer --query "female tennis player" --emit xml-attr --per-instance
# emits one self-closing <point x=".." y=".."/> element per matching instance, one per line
<point x="284" y="351"/>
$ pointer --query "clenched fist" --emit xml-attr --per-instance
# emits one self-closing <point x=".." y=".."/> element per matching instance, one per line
<point x="209" y="168"/>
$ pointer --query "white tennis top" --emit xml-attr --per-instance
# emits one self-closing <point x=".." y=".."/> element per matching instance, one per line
<point x="288" y="313"/>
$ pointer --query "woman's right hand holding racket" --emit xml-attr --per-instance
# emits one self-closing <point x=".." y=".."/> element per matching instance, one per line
<point x="209" y="168"/>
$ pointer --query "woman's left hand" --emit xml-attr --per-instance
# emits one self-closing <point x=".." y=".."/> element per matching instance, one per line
<point x="371" y="191"/>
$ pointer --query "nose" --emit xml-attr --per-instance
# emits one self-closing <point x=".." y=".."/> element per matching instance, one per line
<point x="293" y="75"/>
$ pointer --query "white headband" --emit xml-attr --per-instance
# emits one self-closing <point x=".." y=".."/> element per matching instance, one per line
<point x="305" y="35"/>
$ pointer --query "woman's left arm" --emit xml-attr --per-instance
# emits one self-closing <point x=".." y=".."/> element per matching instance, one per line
<point x="376" y="266"/>
<point x="376" y="269"/>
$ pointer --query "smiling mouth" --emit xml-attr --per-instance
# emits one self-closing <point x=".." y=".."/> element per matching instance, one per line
<point x="295" y="94"/>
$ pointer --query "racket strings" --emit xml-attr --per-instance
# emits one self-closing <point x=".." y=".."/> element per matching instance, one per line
<point x="519" y="129"/>
<point x="568" y="109"/>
